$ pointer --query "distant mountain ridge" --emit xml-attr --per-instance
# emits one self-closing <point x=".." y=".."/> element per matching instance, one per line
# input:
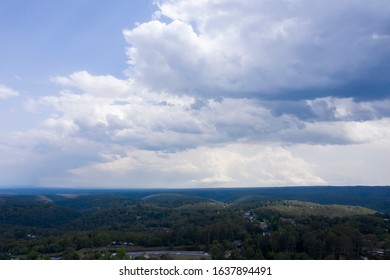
<point x="377" y="198"/>
<point x="175" y="200"/>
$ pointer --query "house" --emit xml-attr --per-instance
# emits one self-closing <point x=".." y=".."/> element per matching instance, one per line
<point x="237" y="244"/>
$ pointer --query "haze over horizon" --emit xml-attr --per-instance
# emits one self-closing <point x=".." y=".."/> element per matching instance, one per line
<point x="190" y="93"/>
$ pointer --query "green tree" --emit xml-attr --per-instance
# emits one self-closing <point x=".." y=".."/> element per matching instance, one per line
<point x="217" y="251"/>
<point x="121" y="254"/>
<point x="70" y="254"/>
<point x="32" y="255"/>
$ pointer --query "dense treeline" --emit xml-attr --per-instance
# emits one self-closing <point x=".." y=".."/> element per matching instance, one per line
<point x="107" y="227"/>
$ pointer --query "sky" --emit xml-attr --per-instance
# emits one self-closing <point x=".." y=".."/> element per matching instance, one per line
<point x="194" y="93"/>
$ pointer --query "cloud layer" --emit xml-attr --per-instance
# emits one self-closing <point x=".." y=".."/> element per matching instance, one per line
<point x="222" y="93"/>
<point x="262" y="48"/>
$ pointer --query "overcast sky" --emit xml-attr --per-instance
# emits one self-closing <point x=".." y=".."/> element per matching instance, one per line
<point x="194" y="93"/>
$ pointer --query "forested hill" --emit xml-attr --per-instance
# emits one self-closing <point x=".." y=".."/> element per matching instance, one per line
<point x="117" y="226"/>
<point x="377" y="198"/>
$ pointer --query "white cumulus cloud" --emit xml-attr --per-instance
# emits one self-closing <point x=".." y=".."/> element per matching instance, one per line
<point x="7" y="92"/>
<point x="257" y="47"/>
<point x="228" y="165"/>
